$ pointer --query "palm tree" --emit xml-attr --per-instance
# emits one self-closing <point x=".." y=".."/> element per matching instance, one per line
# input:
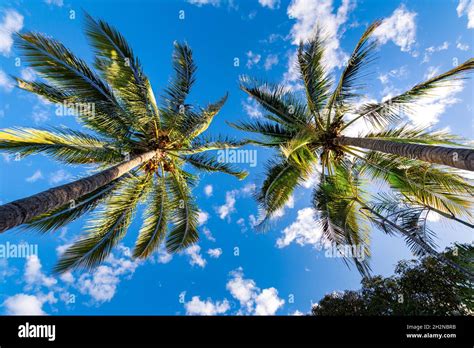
<point x="309" y="134"/>
<point x="138" y="151"/>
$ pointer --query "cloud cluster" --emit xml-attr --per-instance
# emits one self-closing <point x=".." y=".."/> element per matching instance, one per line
<point x="252" y="300"/>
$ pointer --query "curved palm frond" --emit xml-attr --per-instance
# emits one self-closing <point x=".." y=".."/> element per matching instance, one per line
<point x="360" y="59"/>
<point x="338" y="201"/>
<point x="155" y="221"/>
<point x="66" y="145"/>
<point x="184" y="213"/>
<point x="122" y="70"/>
<point x="64" y="70"/>
<point x="313" y="73"/>
<point x="391" y="109"/>
<point x="208" y="163"/>
<point x="107" y="228"/>
<point x="424" y="184"/>
<point x="278" y="101"/>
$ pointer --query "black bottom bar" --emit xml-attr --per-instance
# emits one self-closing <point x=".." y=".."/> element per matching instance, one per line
<point x="292" y="331"/>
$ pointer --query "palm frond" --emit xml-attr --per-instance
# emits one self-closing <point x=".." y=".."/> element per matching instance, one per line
<point x="155" y="221"/>
<point x="69" y="146"/>
<point x="278" y="101"/>
<point x="122" y="70"/>
<point x="62" y="216"/>
<point x="274" y="134"/>
<point x="423" y="184"/>
<point x="417" y="135"/>
<point x="184" y="213"/>
<point x="313" y="73"/>
<point x="337" y="200"/>
<point x="61" y="68"/>
<point x="359" y="60"/>
<point x="180" y="85"/>
<point x="391" y="109"/>
<point x="107" y="228"/>
<point x="209" y="163"/>
<point x="195" y="124"/>
<point x="281" y="179"/>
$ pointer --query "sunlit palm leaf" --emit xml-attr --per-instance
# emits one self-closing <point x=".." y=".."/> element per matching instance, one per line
<point x="69" y="146"/>
<point x="184" y="213"/>
<point x="155" y="222"/>
<point x="313" y="73"/>
<point x="107" y="228"/>
<point x="208" y="163"/>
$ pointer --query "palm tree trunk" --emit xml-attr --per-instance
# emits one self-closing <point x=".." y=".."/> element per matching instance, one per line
<point x="450" y="156"/>
<point x="18" y="212"/>
<point x="425" y="246"/>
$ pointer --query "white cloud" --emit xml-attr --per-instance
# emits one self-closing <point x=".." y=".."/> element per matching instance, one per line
<point x="251" y="298"/>
<point x="23" y="304"/>
<point x="202" y="217"/>
<point x="305" y="230"/>
<point x="243" y="290"/>
<point x="271" y="4"/>
<point x="101" y="284"/>
<point x="312" y="13"/>
<point x="462" y="46"/>
<point x="37" y="175"/>
<point x="400" y="28"/>
<point x="40" y="113"/>
<point x="28" y="74"/>
<point x="268" y="302"/>
<point x="466" y="7"/>
<point x="432" y="49"/>
<point x="228" y="208"/>
<point x="427" y="111"/>
<point x="198" y="307"/>
<point x="162" y="256"/>
<point x="59" y="176"/>
<point x="270" y="61"/>
<point x="195" y="257"/>
<point x="215" y="253"/>
<point x="248" y="189"/>
<point x="208" y="190"/>
<point x="252" y="108"/>
<point x="252" y="59"/>
<point x="59" y="3"/>
<point x="12" y="22"/>
<point x="34" y="276"/>
<point x="5" y="82"/>
<point x="207" y="232"/>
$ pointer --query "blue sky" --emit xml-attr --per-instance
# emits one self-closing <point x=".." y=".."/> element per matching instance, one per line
<point x="233" y="269"/>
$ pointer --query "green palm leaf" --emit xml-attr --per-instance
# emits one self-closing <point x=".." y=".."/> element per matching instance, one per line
<point x="107" y="228"/>
<point x="184" y="213"/>
<point x="155" y="222"/>
<point x="69" y="146"/>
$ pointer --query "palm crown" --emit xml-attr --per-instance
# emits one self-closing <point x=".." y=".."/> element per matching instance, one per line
<point x="310" y="133"/>
<point x="140" y="146"/>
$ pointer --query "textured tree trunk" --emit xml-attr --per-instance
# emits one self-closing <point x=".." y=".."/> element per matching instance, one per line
<point x="18" y="212"/>
<point x="449" y="156"/>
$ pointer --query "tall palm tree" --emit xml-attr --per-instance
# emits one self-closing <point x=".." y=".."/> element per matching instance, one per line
<point x="308" y="132"/>
<point x="138" y="151"/>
